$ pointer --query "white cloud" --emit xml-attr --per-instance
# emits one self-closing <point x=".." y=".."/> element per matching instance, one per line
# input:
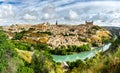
<point x="65" y="11"/>
<point x="49" y="16"/>
<point x="73" y="15"/>
<point x="6" y="10"/>
<point x="46" y="16"/>
<point x="29" y="17"/>
<point x="48" y="9"/>
<point x="48" y="12"/>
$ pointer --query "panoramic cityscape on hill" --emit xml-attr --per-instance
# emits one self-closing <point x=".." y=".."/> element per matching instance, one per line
<point x="59" y="36"/>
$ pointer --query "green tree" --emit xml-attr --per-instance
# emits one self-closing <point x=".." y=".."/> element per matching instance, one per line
<point x="19" y="35"/>
<point x="6" y="51"/>
<point x="42" y="62"/>
<point x="25" y="70"/>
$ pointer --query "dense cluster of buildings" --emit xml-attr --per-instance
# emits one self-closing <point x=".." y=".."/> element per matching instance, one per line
<point x="60" y="34"/>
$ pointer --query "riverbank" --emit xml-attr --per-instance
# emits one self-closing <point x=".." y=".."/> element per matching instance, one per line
<point x="80" y="56"/>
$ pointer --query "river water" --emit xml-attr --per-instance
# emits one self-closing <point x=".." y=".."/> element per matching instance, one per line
<point x="80" y="56"/>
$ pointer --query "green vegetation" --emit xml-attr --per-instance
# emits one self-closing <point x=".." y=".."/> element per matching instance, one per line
<point x="19" y="35"/>
<point x="98" y="64"/>
<point x="42" y="47"/>
<point x="107" y="40"/>
<point x="82" y="39"/>
<point x="109" y="63"/>
<point x="94" y="44"/>
<point x="11" y="62"/>
<point x="31" y="29"/>
<point x="96" y="27"/>
<point x="70" y="49"/>
<point x="23" y="45"/>
<point x="6" y="51"/>
<point x="46" y="32"/>
<point x="25" y="70"/>
<point x="42" y="63"/>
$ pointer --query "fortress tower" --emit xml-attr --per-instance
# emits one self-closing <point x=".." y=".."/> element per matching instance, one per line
<point x="89" y="23"/>
<point x="56" y="23"/>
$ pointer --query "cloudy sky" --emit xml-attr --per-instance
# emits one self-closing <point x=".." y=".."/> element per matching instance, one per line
<point x="102" y="12"/>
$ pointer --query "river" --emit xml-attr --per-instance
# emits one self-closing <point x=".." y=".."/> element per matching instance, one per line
<point x="82" y="56"/>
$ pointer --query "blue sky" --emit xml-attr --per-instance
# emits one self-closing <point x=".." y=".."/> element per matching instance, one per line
<point x="102" y="12"/>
